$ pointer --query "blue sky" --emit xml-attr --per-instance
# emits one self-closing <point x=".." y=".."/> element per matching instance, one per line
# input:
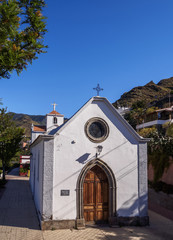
<point x="120" y="44"/>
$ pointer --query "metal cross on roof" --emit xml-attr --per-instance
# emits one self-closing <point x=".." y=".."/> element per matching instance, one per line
<point x="54" y="106"/>
<point x="98" y="89"/>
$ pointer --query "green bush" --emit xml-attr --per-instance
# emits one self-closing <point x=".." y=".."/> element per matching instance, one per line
<point x="145" y="132"/>
<point x="151" y="110"/>
<point x="169" y="131"/>
<point x="160" y="148"/>
<point x="23" y="170"/>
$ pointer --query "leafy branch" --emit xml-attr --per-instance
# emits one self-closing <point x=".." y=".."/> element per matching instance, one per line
<point x="22" y="30"/>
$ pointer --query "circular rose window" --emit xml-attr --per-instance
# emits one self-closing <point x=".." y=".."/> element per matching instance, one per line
<point x="96" y="129"/>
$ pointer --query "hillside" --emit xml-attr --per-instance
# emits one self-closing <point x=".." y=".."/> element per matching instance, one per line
<point x="25" y="121"/>
<point x="166" y="83"/>
<point x="149" y="93"/>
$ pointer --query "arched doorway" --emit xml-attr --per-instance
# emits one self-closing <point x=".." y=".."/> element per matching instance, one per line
<point x="80" y="220"/>
<point x="96" y="196"/>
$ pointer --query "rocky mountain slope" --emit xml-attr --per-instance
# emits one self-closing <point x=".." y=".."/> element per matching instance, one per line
<point x="149" y="93"/>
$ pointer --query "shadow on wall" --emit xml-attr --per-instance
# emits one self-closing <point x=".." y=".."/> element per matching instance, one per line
<point x="83" y="158"/>
<point x="134" y="205"/>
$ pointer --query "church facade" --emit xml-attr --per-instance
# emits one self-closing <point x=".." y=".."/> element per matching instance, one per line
<point x="92" y="168"/>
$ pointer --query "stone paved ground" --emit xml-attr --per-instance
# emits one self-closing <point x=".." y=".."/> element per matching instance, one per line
<point x="161" y="203"/>
<point x="18" y="220"/>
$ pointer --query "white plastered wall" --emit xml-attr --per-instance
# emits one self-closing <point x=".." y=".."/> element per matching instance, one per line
<point x="73" y="150"/>
<point x="36" y="176"/>
<point x="50" y="120"/>
<point x="34" y="135"/>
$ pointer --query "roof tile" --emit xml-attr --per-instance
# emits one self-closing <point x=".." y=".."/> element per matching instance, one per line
<point x="55" y="112"/>
<point x="39" y="128"/>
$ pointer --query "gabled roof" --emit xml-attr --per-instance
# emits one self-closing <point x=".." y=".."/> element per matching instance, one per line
<point x="113" y="109"/>
<point x="57" y="131"/>
<point x="37" y="128"/>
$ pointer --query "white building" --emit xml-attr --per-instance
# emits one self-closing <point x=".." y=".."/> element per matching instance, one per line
<point x="93" y="168"/>
<point x="157" y="118"/>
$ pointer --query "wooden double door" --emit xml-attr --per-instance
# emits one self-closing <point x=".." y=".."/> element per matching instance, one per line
<point x="96" y="196"/>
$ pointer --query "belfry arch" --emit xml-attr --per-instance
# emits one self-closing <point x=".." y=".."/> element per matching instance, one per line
<point x="80" y="222"/>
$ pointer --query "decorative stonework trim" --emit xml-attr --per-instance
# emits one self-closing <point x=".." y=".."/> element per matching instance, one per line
<point x="119" y="221"/>
<point x="112" y="187"/>
<point x="80" y="223"/>
<point x="58" y="224"/>
<point x="102" y="123"/>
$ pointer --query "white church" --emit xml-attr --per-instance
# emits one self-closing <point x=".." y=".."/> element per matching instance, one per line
<point x="89" y="169"/>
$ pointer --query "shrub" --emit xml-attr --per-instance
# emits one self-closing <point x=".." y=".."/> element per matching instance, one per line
<point x="145" y="132"/>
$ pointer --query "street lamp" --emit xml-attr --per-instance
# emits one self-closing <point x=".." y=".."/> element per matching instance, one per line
<point x="99" y="149"/>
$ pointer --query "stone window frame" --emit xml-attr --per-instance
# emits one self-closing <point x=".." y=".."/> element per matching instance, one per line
<point x="104" y="124"/>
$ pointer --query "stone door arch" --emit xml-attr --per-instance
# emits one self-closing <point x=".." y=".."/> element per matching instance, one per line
<point x="80" y="222"/>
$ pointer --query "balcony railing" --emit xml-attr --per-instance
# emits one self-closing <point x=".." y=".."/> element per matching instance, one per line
<point x="152" y="123"/>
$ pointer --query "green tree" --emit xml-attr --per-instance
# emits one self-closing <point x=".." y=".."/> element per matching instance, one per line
<point x="10" y="138"/>
<point x="22" y="29"/>
<point x="136" y="114"/>
<point x="160" y="149"/>
<point x="169" y="130"/>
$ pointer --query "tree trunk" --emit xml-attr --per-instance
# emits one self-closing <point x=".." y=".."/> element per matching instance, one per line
<point x="3" y="167"/>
